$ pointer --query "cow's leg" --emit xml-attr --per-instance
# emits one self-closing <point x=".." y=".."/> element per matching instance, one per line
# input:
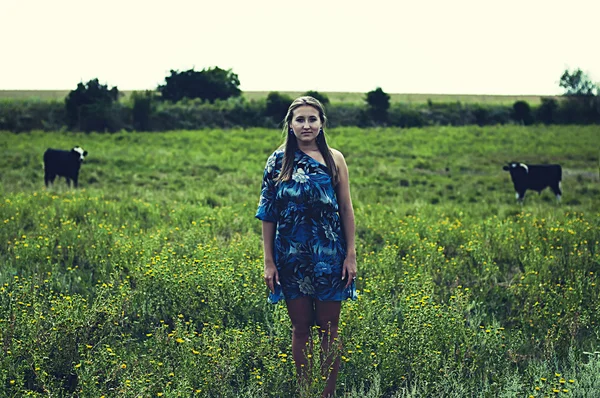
<point x="68" y="181"/>
<point x="557" y="191"/>
<point x="520" y="195"/>
<point x="49" y="178"/>
<point x="75" y="178"/>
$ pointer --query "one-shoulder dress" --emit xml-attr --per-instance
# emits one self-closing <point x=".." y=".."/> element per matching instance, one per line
<point x="309" y="247"/>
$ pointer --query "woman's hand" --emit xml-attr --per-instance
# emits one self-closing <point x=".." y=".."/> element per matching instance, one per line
<point x="271" y="275"/>
<point x="349" y="269"/>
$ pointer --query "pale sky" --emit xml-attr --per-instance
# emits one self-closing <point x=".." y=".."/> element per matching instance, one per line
<point x="511" y="47"/>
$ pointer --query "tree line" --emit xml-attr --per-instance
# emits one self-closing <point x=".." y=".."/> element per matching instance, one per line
<point x="211" y="98"/>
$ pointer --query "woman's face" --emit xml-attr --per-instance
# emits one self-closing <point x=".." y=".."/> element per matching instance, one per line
<point x="306" y="123"/>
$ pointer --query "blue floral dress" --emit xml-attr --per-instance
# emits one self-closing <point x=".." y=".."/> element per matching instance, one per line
<point x="309" y="243"/>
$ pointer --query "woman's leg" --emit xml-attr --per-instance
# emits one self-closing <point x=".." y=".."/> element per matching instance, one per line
<point x="327" y="315"/>
<point x="302" y="315"/>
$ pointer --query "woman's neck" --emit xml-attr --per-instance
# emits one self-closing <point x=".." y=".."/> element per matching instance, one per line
<point x="308" y="147"/>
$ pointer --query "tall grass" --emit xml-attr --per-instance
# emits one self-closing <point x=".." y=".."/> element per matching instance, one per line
<point x="147" y="281"/>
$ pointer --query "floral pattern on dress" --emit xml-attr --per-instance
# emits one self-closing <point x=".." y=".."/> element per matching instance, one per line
<point x="309" y="247"/>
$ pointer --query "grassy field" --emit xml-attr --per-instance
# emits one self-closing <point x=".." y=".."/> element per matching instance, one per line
<point x="146" y="281"/>
<point x="334" y="97"/>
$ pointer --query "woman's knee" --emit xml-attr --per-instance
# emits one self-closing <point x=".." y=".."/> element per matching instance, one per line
<point x="301" y="331"/>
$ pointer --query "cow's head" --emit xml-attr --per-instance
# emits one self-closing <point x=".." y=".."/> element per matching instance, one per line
<point x="516" y="168"/>
<point x="80" y="153"/>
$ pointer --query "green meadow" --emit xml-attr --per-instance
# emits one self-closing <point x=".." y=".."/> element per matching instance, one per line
<point x="147" y="280"/>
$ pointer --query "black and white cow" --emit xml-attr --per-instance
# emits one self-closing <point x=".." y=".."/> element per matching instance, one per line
<point x="535" y="177"/>
<point x="64" y="164"/>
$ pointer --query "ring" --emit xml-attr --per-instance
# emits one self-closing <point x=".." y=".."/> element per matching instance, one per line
<point x="354" y="277"/>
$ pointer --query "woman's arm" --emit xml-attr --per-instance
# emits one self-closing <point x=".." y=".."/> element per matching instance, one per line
<point x="271" y="275"/>
<point x="346" y="215"/>
<point x="267" y="213"/>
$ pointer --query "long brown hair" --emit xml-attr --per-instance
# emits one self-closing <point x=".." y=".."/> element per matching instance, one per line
<point x="291" y="144"/>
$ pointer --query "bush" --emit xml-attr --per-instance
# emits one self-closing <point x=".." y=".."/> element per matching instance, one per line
<point x="580" y="110"/>
<point x="452" y="113"/>
<point x="26" y="115"/>
<point x="547" y="111"/>
<point x="143" y="107"/>
<point x="277" y="106"/>
<point x="490" y="114"/>
<point x="522" y="113"/>
<point x="241" y="113"/>
<point x="90" y="107"/>
<point x="323" y="99"/>
<point x="208" y="84"/>
<point x="402" y="115"/>
<point x="344" y="115"/>
<point x="481" y="115"/>
<point x="143" y="112"/>
<point x="378" y="103"/>
<point x="195" y="114"/>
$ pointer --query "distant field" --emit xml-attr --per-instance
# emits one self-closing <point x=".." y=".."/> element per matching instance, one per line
<point x="34" y="94"/>
<point x="336" y="97"/>
<point x="344" y="97"/>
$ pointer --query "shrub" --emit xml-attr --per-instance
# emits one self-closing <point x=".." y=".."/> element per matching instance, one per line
<point x="142" y="109"/>
<point x="26" y="115"/>
<point x="402" y="115"/>
<point x="580" y="110"/>
<point x="208" y="84"/>
<point x="378" y="103"/>
<point x="90" y="107"/>
<point x="344" y="115"/>
<point x="452" y="113"/>
<point x="319" y="96"/>
<point x="241" y="113"/>
<point x="547" y="111"/>
<point x="277" y="106"/>
<point x="522" y="113"/>
<point x="490" y="114"/>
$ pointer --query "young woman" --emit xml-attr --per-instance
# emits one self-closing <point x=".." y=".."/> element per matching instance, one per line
<point x="308" y="234"/>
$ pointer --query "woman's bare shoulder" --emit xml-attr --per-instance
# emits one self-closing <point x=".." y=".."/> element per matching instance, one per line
<point x="338" y="158"/>
<point x="337" y="155"/>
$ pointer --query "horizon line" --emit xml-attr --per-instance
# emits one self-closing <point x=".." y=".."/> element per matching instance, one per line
<point x="324" y="91"/>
